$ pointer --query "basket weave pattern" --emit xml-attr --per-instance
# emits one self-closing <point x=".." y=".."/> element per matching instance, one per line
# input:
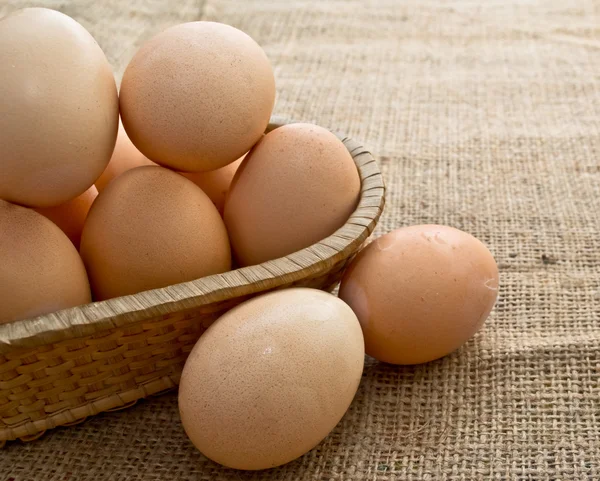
<point x="60" y="368"/>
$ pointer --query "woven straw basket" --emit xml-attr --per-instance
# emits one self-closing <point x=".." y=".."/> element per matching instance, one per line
<point x="60" y="368"/>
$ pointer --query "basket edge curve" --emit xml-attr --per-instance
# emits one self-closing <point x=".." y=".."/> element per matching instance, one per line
<point x="96" y="317"/>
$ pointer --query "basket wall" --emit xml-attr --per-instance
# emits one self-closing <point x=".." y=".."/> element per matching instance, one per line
<point x="61" y="368"/>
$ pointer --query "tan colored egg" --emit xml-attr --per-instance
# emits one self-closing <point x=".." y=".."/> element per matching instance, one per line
<point x="420" y="292"/>
<point x="70" y="216"/>
<point x="125" y="157"/>
<point x="59" y="115"/>
<point x="40" y="269"/>
<point x="197" y="96"/>
<point x="298" y="185"/>
<point x="271" y="378"/>
<point x="215" y="183"/>
<point x="151" y="228"/>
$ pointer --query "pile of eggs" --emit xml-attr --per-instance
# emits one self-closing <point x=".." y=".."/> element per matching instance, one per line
<point x="143" y="200"/>
<point x="105" y="194"/>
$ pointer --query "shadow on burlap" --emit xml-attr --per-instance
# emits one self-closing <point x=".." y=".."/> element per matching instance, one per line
<point x="485" y="116"/>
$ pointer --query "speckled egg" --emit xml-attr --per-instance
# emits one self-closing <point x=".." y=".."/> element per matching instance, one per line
<point x="125" y="157"/>
<point x="420" y="292"/>
<point x="40" y="269"/>
<point x="197" y="96"/>
<point x="70" y="216"/>
<point x="298" y="185"/>
<point x="215" y="183"/>
<point x="59" y="108"/>
<point x="151" y="228"/>
<point x="271" y="378"/>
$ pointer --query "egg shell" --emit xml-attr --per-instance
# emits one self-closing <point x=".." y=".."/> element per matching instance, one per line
<point x="59" y="116"/>
<point x="420" y="292"/>
<point x="70" y="216"/>
<point x="297" y="185"/>
<point x="271" y="378"/>
<point x="151" y="228"/>
<point x="40" y="269"/>
<point x="215" y="183"/>
<point x="212" y="110"/>
<point x="125" y="157"/>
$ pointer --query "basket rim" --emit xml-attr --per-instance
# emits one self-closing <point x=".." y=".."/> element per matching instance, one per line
<point x="97" y="317"/>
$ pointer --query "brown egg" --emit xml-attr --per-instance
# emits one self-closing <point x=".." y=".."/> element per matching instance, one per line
<point x="125" y="157"/>
<point x="59" y="115"/>
<point x="197" y="96"/>
<point x="297" y="186"/>
<point x="215" y="183"/>
<point x="271" y="378"/>
<point x="151" y="228"/>
<point x="40" y="270"/>
<point x="70" y="216"/>
<point x="420" y="292"/>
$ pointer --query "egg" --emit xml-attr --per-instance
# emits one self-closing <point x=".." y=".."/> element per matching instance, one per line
<point x="271" y="378"/>
<point x="125" y="157"/>
<point x="420" y="292"/>
<point x="215" y="183"/>
<point x="70" y="216"/>
<point x="151" y="228"/>
<point x="59" y="115"/>
<point x="197" y="96"/>
<point x="40" y="269"/>
<point x="298" y="185"/>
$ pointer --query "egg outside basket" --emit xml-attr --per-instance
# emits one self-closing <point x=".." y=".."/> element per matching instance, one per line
<point x="58" y="369"/>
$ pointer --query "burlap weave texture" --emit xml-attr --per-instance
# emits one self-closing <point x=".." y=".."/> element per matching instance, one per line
<point x="485" y="115"/>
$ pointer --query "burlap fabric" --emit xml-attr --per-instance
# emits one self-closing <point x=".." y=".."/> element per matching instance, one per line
<point x="485" y="116"/>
